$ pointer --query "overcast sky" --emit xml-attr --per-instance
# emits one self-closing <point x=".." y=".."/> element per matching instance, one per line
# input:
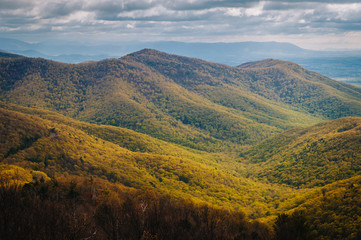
<point x="310" y="24"/>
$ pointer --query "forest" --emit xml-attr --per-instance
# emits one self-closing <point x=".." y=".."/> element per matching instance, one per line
<point x="159" y="146"/>
<point x="90" y="208"/>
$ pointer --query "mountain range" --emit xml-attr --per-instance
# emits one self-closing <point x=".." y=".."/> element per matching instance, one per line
<point x="268" y="138"/>
<point x="341" y="65"/>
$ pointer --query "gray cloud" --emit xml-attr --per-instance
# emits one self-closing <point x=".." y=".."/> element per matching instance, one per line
<point x="180" y="19"/>
<point x="284" y="6"/>
<point x="207" y="4"/>
<point x="59" y="9"/>
<point x="317" y="1"/>
<point x="10" y="4"/>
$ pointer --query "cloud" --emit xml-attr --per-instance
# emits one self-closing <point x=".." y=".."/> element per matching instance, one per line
<point x="181" y="19"/>
<point x="11" y="4"/>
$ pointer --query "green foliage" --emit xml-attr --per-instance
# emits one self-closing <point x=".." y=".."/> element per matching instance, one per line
<point x="181" y="100"/>
<point x="333" y="212"/>
<point x="291" y="84"/>
<point x="176" y="126"/>
<point x="61" y="148"/>
<point x="310" y="157"/>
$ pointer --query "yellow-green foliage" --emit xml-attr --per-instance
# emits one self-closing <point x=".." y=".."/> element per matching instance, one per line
<point x="333" y="212"/>
<point x="126" y="138"/>
<point x="186" y="101"/>
<point x="310" y="157"/>
<point x="27" y="131"/>
<point x="177" y="125"/>
<point x="11" y="174"/>
<point x="291" y="84"/>
<point x="15" y="175"/>
<point x="61" y="148"/>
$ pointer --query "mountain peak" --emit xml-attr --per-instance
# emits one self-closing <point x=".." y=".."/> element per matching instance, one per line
<point x="269" y="62"/>
<point x="146" y="51"/>
<point x="151" y="55"/>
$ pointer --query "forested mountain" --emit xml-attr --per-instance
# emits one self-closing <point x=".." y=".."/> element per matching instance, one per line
<point x="334" y="211"/>
<point x="73" y="207"/>
<point x="306" y="90"/>
<point x="162" y="134"/>
<point x="340" y="65"/>
<point x="182" y="100"/>
<point x="51" y="146"/>
<point x="5" y="54"/>
<point x="309" y="157"/>
<point x="62" y="145"/>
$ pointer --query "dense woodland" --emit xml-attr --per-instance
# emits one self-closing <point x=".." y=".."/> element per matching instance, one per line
<point x="310" y="157"/>
<point x="89" y="208"/>
<point x="157" y="146"/>
<point x="187" y="101"/>
<point x="54" y="148"/>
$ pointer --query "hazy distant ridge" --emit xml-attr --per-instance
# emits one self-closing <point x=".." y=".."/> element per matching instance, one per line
<point x="341" y="65"/>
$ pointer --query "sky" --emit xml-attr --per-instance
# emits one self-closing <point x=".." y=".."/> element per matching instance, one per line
<point x="311" y="24"/>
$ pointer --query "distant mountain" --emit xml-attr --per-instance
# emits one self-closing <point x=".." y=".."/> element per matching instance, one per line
<point x="15" y="45"/>
<point x="6" y="54"/>
<point x="231" y="53"/>
<point x="178" y="99"/>
<point x="226" y="53"/>
<point x="70" y="52"/>
<point x="341" y="65"/>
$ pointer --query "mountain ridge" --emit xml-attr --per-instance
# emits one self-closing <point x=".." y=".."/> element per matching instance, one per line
<point x="340" y="65"/>
<point x="177" y="98"/>
<point x="269" y="62"/>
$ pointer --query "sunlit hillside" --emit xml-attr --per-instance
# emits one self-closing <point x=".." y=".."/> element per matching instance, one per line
<point x="187" y="101"/>
<point x="309" y="157"/>
<point x="159" y="146"/>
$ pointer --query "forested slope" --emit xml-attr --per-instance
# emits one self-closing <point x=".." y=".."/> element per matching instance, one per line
<point x="73" y="207"/>
<point x="179" y="140"/>
<point x="177" y="99"/>
<point x="55" y="148"/>
<point x="310" y="157"/>
<point x="289" y="83"/>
